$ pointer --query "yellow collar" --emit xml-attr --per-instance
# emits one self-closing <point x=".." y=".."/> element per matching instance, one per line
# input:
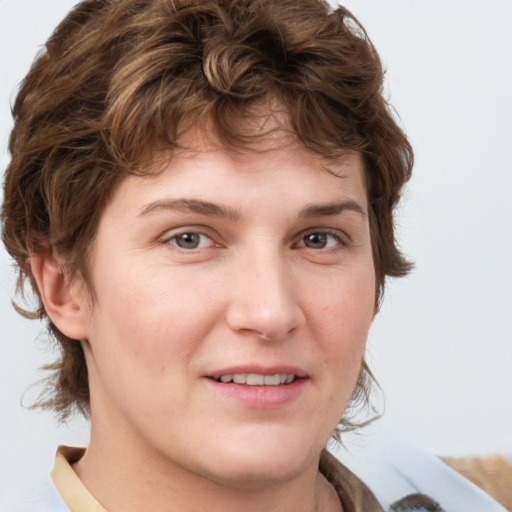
<point x="70" y="487"/>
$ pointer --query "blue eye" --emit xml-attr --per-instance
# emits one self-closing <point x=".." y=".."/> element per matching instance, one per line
<point x="191" y="240"/>
<point x="320" y="240"/>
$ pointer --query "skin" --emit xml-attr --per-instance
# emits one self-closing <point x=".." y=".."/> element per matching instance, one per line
<point x="282" y="276"/>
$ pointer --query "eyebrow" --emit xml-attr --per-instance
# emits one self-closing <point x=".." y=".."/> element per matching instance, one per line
<point x="193" y="205"/>
<point x="217" y="210"/>
<point x="331" y="209"/>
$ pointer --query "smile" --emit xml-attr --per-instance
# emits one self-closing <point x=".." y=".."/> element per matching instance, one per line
<point x="258" y="386"/>
<point x="255" y="379"/>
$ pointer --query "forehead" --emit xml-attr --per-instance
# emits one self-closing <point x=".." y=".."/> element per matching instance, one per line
<point x="282" y="181"/>
<point x="207" y="164"/>
<point x="267" y="137"/>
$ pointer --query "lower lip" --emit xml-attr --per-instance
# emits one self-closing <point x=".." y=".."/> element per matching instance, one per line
<point x="261" y="397"/>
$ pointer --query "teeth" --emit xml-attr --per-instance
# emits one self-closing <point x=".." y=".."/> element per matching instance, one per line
<point x="271" y="380"/>
<point x="255" y="379"/>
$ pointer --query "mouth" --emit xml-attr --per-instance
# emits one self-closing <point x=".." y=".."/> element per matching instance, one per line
<point x="256" y="379"/>
<point x="258" y="387"/>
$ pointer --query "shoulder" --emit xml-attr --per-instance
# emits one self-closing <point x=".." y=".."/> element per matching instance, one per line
<point x="405" y="478"/>
<point x="40" y="497"/>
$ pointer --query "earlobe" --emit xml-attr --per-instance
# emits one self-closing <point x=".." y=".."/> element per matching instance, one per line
<point x="61" y="300"/>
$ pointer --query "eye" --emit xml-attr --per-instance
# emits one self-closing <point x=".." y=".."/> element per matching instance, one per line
<point x="320" y="240"/>
<point x="191" y="240"/>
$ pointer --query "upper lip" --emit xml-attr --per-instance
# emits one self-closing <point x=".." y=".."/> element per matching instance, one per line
<point x="259" y="370"/>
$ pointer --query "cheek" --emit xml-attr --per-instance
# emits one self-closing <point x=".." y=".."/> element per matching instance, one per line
<point x="150" y="317"/>
<point x="342" y="312"/>
<point x="141" y="340"/>
<point x="345" y="303"/>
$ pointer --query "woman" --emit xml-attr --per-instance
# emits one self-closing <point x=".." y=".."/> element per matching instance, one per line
<point x="201" y="194"/>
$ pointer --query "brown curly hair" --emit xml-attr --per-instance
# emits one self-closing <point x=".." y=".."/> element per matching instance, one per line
<point x="121" y="79"/>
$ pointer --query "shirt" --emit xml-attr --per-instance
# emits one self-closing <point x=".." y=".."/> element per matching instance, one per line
<point x="404" y="479"/>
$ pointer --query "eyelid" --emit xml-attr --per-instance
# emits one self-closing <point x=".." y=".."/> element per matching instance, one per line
<point x="173" y="233"/>
<point x="174" y="240"/>
<point x="342" y="238"/>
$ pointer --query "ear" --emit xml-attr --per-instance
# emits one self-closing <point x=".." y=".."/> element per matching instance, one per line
<point x="63" y="299"/>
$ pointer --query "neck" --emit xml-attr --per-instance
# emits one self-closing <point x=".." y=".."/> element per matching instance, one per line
<point x="135" y="479"/>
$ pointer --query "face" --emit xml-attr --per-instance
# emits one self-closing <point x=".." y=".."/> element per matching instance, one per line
<point x="233" y="297"/>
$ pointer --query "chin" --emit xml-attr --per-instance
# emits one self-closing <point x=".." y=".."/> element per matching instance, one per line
<point x="263" y="459"/>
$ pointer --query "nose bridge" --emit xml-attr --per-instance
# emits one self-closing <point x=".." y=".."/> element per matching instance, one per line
<point x="263" y="300"/>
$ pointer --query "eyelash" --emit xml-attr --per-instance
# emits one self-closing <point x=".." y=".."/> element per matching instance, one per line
<point x="174" y="239"/>
<point x="301" y="243"/>
<point x="339" y="241"/>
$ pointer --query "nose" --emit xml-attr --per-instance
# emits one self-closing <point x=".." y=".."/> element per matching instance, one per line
<point x="264" y="300"/>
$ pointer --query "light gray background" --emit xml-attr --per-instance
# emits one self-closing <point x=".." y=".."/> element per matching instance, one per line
<point x="442" y="345"/>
